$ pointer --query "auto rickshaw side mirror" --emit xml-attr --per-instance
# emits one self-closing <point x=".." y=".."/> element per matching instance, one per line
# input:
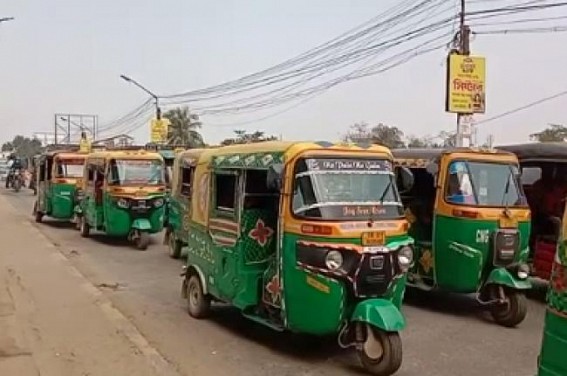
<point x="407" y="179"/>
<point x="432" y="168"/>
<point x="274" y="178"/>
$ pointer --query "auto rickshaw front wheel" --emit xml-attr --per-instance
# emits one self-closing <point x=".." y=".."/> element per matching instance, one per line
<point x="84" y="228"/>
<point x="381" y="352"/>
<point x="513" y="310"/>
<point x="142" y="240"/>
<point x="198" y="304"/>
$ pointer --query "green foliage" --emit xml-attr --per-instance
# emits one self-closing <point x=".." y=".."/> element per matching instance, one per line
<point x="242" y="137"/>
<point x="184" y="128"/>
<point x="23" y="146"/>
<point x="553" y="133"/>
<point x="382" y="134"/>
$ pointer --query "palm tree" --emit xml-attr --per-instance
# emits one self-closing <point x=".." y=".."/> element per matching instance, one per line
<point x="183" y="129"/>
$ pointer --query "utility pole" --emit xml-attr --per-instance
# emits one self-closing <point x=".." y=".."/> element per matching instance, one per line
<point x="464" y="49"/>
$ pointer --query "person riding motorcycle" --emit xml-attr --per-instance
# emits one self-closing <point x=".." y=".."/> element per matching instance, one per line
<point x="14" y="165"/>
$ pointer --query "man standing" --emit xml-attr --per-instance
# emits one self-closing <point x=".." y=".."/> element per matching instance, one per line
<point x="85" y="143"/>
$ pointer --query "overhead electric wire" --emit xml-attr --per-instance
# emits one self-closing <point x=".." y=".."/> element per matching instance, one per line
<point x="533" y="30"/>
<point x="306" y="57"/>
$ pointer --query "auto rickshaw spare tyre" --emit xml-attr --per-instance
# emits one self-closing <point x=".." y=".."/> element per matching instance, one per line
<point x="513" y="311"/>
<point x="84" y="228"/>
<point x="38" y="216"/>
<point x="174" y="246"/>
<point x="198" y="304"/>
<point x="142" y="240"/>
<point x="381" y="352"/>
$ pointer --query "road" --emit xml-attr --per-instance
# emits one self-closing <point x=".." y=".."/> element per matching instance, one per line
<point x="446" y="334"/>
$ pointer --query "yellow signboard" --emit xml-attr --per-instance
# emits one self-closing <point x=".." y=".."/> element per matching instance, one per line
<point x="466" y="84"/>
<point x="158" y="130"/>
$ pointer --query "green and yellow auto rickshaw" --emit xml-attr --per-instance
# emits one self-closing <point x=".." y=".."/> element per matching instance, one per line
<point x="179" y="204"/>
<point x="552" y="360"/>
<point x="124" y="195"/>
<point x="471" y="224"/>
<point x="305" y="237"/>
<point x="58" y="178"/>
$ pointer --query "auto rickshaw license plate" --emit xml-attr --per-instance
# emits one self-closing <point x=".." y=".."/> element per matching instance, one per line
<point x="373" y="238"/>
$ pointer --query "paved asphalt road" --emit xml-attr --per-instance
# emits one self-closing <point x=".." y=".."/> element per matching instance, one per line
<point x="446" y="334"/>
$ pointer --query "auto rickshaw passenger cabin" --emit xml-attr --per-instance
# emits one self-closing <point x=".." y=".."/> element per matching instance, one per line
<point x="544" y="179"/>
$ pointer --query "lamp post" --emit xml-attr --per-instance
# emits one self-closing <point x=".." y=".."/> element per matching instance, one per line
<point x="156" y="98"/>
<point x="4" y="19"/>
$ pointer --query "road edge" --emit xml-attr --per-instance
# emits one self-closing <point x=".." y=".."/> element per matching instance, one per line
<point x="120" y="322"/>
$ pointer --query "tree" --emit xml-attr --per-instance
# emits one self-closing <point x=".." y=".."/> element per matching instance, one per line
<point x="183" y="129"/>
<point x="554" y="133"/>
<point x="23" y="146"/>
<point x="242" y="137"/>
<point x="382" y="134"/>
<point x="416" y="142"/>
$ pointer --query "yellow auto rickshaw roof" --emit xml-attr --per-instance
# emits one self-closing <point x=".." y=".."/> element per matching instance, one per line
<point x="125" y="154"/>
<point x="421" y="157"/>
<point x="289" y="148"/>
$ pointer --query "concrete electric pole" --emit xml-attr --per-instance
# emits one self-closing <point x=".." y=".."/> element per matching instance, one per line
<point x="464" y="131"/>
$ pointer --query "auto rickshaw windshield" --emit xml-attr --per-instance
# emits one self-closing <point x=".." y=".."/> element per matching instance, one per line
<point x="136" y="172"/>
<point x="484" y="184"/>
<point x="345" y="189"/>
<point x="70" y="168"/>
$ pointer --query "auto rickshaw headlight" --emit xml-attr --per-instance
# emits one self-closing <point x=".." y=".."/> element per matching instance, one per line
<point x="158" y="203"/>
<point x="123" y="203"/>
<point x="523" y="271"/>
<point x="405" y="258"/>
<point x="334" y="260"/>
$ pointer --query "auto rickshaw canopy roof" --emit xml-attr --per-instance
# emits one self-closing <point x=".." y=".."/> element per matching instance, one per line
<point x="539" y="152"/>
<point x="125" y="154"/>
<point x="267" y="153"/>
<point x="421" y="157"/>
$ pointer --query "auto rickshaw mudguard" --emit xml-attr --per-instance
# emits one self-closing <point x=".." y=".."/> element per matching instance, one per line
<point x="380" y="313"/>
<point x="501" y="276"/>
<point x="141" y="224"/>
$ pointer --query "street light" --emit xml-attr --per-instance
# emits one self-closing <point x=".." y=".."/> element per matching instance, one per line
<point x="156" y="98"/>
<point x="4" y="19"/>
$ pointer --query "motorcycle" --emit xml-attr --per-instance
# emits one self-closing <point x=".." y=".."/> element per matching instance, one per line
<point x="15" y="180"/>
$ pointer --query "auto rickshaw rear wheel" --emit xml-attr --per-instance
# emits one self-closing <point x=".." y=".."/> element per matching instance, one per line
<point x="198" y="304"/>
<point x="513" y="311"/>
<point x="85" y="228"/>
<point x="381" y="352"/>
<point x="174" y="245"/>
<point x="142" y="240"/>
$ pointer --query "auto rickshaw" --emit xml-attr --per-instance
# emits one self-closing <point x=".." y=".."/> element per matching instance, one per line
<point x="304" y="237"/>
<point x="544" y="179"/>
<point x="58" y="178"/>
<point x="471" y="224"/>
<point x="552" y="360"/>
<point x="178" y="207"/>
<point x="124" y="195"/>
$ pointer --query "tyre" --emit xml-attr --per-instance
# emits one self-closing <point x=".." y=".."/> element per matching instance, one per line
<point x="38" y="216"/>
<point x="142" y="241"/>
<point x="174" y="246"/>
<point x="17" y="185"/>
<point x="381" y="353"/>
<point x="84" y="228"/>
<point x="513" y="312"/>
<point x="198" y="304"/>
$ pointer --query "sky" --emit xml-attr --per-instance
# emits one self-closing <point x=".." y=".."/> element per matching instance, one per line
<point x="66" y="56"/>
